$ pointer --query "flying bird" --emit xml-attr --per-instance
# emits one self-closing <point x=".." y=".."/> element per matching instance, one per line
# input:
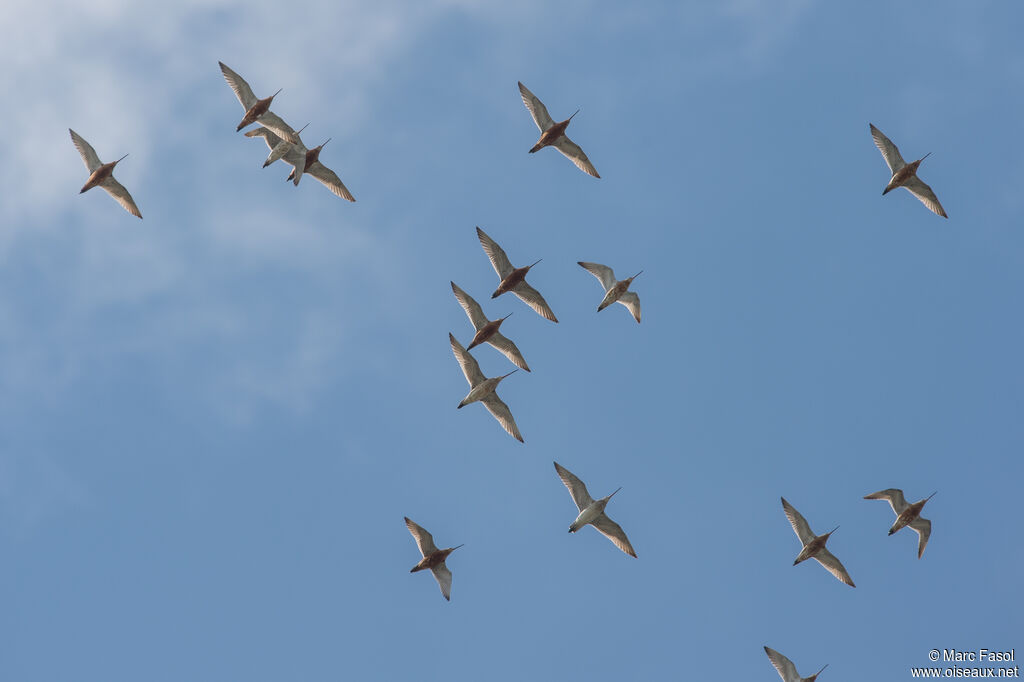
<point x="482" y="389"/>
<point x="615" y="290"/>
<point x="487" y="330"/>
<point x="102" y="175"/>
<point x="553" y="134"/>
<point x="906" y="515"/>
<point x="787" y="671"/>
<point x="814" y="545"/>
<point x="905" y="174"/>
<point x="592" y="511"/>
<point x="256" y="109"/>
<point x="513" y="279"/>
<point x="433" y="558"/>
<point x="302" y="160"/>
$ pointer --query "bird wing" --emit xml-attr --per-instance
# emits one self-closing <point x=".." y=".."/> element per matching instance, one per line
<point x="296" y="158"/>
<point x="833" y="566"/>
<point x="894" y="496"/>
<point x="277" y="124"/>
<point x="267" y="134"/>
<point x="498" y="258"/>
<point x="444" y="579"/>
<point x="424" y="540"/>
<point x="508" y="349"/>
<point x="576" y="487"/>
<point x="501" y="412"/>
<point x="613" y="532"/>
<point x="631" y="301"/>
<point x="922" y="191"/>
<point x="572" y="151"/>
<point x="117" y="190"/>
<point x="923" y="527"/>
<point x="470" y="367"/>
<point x="890" y="152"/>
<point x="787" y="671"/>
<point x="88" y="154"/>
<point x="604" y="274"/>
<point x="799" y="523"/>
<point x="537" y="109"/>
<point x="242" y="90"/>
<point x="532" y="298"/>
<point x="330" y="180"/>
<point x="472" y="308"/>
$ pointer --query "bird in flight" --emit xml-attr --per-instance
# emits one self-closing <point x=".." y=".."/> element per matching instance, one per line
<point x="814" y="545"/>
<point x="483" y="390"/>
<point x="905" y="174"/>
<point x="433" y="558"/>
<point x="553" y="134"/>
<point x="102" y="175"/>
<point x="513" y="279"/>
<point x="906" y="515"/>
<point x="615" y="290"/>
<point x="592" y="511"/>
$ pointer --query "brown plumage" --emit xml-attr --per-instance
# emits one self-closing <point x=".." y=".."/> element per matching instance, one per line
<point x="102" y="175"/>
<point x="433" y="558"/>
<point x="553" y="134"/>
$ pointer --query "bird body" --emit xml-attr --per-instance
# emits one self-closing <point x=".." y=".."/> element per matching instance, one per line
<point x="591" y="511"/>
<point x="433" y="558"/>
<point x="906" y="515"/>
<point x="482" y="389"/>
<point x="905" y="174"/>
<point x="102" y="175"/>
<point x="616" y="291"/>
<point x="513" y="279"/>
<point x="553" y="134"/>
<point x="256" y="109"/>
<point x="487" y="330"/>
<point x="814" y="545"/>
<point x="298" y="156"/>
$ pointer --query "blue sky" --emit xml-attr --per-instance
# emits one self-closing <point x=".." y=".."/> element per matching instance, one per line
<point x="214" y="419"/>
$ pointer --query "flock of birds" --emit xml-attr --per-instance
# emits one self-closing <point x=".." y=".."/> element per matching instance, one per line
<point x="285" y="144"/>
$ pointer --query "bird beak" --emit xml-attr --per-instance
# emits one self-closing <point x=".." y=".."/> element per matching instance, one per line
<point x="276" y="94"/>
<point x="539" y="260"/>
<point x="613" y="494"/>
<point x="930" y="496"/>
<point x="510" y="315"/>
<point x="462" y="545"/>
<point x="577" y="111"/>
<point x="819" y="672"/>
<point x="299" y="130"/>
<point x="636" y="275"/>
<point x="121" y="159"/>
<point x="325" y="142"/>
<point x="832" y="531"/>
<point x="510" y="373"/>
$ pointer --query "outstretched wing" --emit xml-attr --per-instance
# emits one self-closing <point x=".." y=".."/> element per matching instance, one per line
<point x="799" y="523"/>
<point x="613" y="532"/>
<point x="787" y="671"/>
<point x="424" y="540"/>
<point x="923" y="527"/>
<point x="88" y="154"/>
<point x="833" y="566"/>
<point x="632" y="302"/>
<point x="532" y="298"/>
<point x="242" y="90"/>
<point x="472" y="308"/>
<point x="117" y="190"/>
<point x="894" y="496"/>
<point x="537" y="109"/>
<point x="470" y="367"/>
<point x="330" y="180"/>
<point x="922" y="191"/>
<point x="498" y="258"/>
<point x="444" y="579"/>
<point x="605" y="275"/>
<point x="508" y="349"/>
<point x="890" y="152"/>
<point x="501" y="412"/>
<point x="572" y="151"/>
<point x="577" y="489"/>
<point x="267" y="134"/>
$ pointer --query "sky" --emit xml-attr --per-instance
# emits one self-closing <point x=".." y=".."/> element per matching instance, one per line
<point x="213" y="420"/>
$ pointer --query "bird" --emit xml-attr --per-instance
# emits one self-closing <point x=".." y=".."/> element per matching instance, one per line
<point x="905" y="174"/>
<point x="433" y="558"/>
<point x="102" y="175"/>
<point x="553" y="134"/>
<point x="615" y="290"/>
<point x="513" y="279"/>
<point x="256" y="109"/>
<point x="325" y="175"/>
<point x="296" y="155"/>
<point x="592" y="511"/>
<point x="906" y="515"/>
<point x="487" y="330"/>
<point x="483" y="389"/>
<point x="787" y="671"/>
<point x="814" y="545"/>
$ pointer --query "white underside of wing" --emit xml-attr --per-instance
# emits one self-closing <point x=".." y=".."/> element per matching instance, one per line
<point x="536" y="108"/>
<point x="501" y="412"/>
<point x="495" y="253"/>
<point x="470" y="367"/>
<point x="572" y="151"/>
<point x="532" y="298"/>
<point x="117" y="190"/>
<point x="85" y="150"/>
<point x="890" y="152"/>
